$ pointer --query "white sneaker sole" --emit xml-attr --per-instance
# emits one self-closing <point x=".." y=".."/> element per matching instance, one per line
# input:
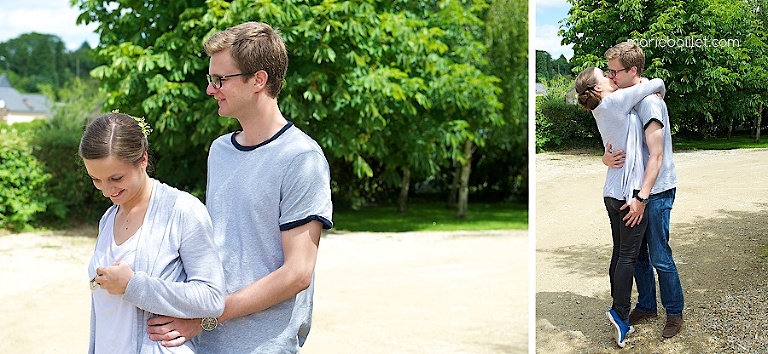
<point x="617" y="333"/>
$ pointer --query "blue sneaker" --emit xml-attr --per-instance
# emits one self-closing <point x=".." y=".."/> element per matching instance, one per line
<point x="623" y="330"/>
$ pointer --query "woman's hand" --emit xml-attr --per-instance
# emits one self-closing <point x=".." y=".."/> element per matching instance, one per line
<point x="114" y="279"/>
<point x="613" y="159"/>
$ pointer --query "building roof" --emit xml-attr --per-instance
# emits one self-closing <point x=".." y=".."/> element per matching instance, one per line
<point x="4" y="81"/>
<point x="541" y="89"/>
<point x="16" y="102"/>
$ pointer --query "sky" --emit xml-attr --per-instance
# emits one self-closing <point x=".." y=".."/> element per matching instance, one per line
<point x="548" y="13"/>
<point x="54" y="17"/>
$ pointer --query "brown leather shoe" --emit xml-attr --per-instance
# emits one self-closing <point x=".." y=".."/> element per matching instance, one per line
<point x="674" y="323"/>
<point x="636" y="316"/>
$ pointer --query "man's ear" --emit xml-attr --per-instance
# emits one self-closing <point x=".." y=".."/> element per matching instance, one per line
<point x="261" y="77"/>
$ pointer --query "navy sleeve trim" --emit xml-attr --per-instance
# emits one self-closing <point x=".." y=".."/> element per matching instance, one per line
<point x="651" y="121"/>
<point x="327" y="224"/>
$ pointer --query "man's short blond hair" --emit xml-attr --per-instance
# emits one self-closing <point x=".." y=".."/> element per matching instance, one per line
<point x="255" y="46"/>
<point x="629" y="55"/>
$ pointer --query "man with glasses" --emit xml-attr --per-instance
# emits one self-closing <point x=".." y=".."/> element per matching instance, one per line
<point x="268" y="194"/>
<point x="626" y="63"/>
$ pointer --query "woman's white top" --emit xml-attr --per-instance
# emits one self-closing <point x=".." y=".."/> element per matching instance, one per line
<point x="115" y="317"/>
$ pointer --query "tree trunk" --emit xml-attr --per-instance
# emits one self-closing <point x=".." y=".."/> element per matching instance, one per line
<point x="730" y="129"/>
<point x="403" y="199"/>
<point x="758" y="123"/>
<point x="454" y="192"/>
<point x="464" y="182"/>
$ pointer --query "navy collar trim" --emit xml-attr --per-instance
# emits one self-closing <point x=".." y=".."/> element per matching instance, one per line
<point x="254" y="147"/>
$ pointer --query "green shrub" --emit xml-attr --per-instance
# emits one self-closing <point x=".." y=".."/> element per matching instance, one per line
<point x="22" y="181"/>
<point x="56" y="140"/>
<point x="561" y="125"/>
<point x="73" y="197"/>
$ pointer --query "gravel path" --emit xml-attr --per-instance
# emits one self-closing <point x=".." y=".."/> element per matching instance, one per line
<point x="421" y="292"/>
<point x="718" y="235"/>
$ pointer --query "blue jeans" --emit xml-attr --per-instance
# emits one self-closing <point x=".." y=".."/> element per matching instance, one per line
<point x="656" y="253"/>
<point x="626" y="247"/>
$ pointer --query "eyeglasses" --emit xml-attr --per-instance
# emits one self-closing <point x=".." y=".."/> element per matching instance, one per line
<point x="217" y="80"/>
<point x="612" y="72"/>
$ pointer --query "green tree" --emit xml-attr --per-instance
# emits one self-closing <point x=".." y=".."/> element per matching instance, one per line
<point x="82" y="61"/>
<point x="37" y="59"/>
<point x="34" y="60"/>
<point x="707" y="51"/>
<point x="56" y="142"/>
<point x="561" y="65"/>
<point x="547" y="68"/>
<point x="503" y="161"/>
<point x="543" y="65"/>
<point x="360" y="71"/>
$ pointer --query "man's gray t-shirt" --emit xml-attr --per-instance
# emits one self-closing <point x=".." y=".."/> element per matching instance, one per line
<point x="620" y="128"/>
<point x="253" y="193"/>
<point x="652" y="109"/>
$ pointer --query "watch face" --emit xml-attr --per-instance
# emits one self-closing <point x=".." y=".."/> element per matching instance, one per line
<point x="209" y="323"/>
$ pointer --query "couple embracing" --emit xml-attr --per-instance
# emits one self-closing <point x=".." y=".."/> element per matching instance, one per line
<point x="639" y="189"/>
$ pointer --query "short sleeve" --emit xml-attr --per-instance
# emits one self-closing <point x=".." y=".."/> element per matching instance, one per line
<point x="305" y="194"/>
<point x="649" y="110"/>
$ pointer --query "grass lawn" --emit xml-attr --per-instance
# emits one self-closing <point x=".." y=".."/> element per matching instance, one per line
<point x="433" y="216"/>
<point x="683" y="143"/>
<point x="735" y="142"/>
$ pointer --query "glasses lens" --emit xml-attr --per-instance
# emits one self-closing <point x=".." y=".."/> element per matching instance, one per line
<point x="214" y="80"/>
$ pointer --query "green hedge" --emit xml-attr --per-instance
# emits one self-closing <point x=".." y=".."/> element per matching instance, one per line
<point x="561" y="125"/>
<point x="22" y="181"/>
<point x="75" y="198"/>
<point x="43" y="181"/>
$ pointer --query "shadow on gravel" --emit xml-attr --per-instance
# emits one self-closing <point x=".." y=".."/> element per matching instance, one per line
<point x="722" y="265"/>
<point x="723" y="270"/>
<point x="573" y="313"/>
<point x="582" y="259"/>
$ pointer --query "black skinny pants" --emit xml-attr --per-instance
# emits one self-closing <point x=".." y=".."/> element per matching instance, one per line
<point x="626" y="247"/>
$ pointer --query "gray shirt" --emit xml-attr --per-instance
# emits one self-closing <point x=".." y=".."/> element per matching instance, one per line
<point x="253" y="194"/>
<point x="620" y="127"/>
<point x="651" y="109"/>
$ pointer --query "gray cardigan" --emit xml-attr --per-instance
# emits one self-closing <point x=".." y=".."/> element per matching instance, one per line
<point x="177" y="272"/>
<point x="620" y="127"/>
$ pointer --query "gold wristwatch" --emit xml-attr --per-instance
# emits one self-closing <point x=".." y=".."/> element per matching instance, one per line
<point x="209" y="323"/>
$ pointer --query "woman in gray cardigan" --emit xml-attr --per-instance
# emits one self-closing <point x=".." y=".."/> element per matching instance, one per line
<point x="621" y="129"/>
<point x="154" y="254"/>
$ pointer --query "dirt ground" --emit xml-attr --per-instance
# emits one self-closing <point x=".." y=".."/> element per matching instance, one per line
<point x="719" y="237"/>
<point x="457" y="292"/>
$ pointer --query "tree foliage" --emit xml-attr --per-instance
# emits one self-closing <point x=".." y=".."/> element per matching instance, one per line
<point x="35" y="59"/>
<point x="56" y="141"/>
<point x="507" y="147"/>
<point x="711" y="54"/>
<point x="561" y="125"/>
<point x="383" y="86"/>
<point x="548" y="68"/>
<point x="22" y="181"/>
